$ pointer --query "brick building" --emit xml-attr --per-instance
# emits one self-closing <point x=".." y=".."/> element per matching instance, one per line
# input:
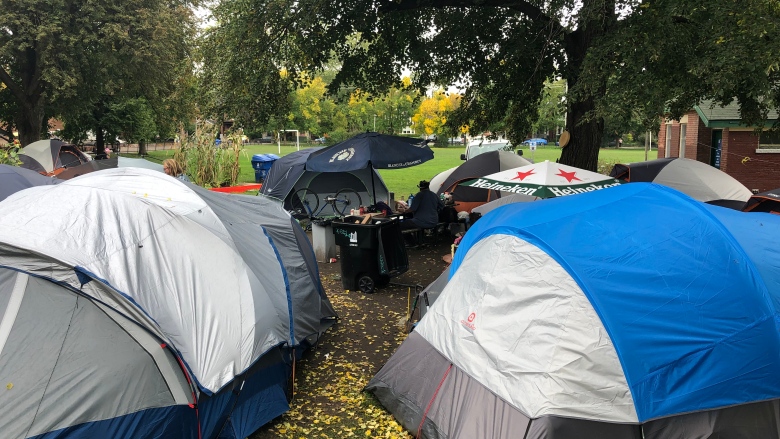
<point x="718" y="137"/>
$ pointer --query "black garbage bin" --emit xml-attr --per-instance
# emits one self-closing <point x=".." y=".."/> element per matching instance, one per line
<point x="371" y="253"/>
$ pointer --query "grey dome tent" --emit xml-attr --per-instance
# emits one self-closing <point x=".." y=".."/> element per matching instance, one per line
<point x="14" y="179"/>
<point x="53" y="157"/>
<point x="698" y="180"/>
<point x="288" y="174"/>
<point x="134" y="305"/>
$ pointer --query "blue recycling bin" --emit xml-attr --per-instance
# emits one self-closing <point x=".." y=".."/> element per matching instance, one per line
<point x="262" y="164"/>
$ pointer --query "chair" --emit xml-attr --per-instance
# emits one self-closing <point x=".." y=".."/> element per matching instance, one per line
<point x="429" y="235"/>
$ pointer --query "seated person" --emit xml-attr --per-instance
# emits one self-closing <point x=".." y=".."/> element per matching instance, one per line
<point x="425" y="207"/>
<point x="175" y="169"/>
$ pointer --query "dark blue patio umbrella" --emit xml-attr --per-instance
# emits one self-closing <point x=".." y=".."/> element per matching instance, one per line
<point x="380" y="151"/>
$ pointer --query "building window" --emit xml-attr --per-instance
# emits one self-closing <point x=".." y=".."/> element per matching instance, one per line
<point x="683" y="131"/>
<point x="668" y="151"/>
<point x="769" y="140"/>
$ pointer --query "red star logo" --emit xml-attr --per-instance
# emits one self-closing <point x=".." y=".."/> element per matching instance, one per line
<point x="522" y="175"/>
<point x="569" y="176"/>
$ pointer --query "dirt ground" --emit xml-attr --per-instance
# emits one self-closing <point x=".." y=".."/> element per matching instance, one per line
<point x="328" y="400"/>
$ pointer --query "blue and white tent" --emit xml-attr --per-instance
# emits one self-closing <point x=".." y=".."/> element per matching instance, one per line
<point x="133" y="305"/>
<point x="632" y="312"/>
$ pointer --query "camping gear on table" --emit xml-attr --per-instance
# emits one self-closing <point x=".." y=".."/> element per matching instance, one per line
<point x="467" y="198"/>
<point x="370" y="150"/>
<point x="561" y="319"/>
<point x="135" y="305"/>
<point x="698" y="180"/>
<point x="288" y="175"/>
<point x="544" y="180"/>
<point x="13" y="179"/>
<point x="372" y="251"/>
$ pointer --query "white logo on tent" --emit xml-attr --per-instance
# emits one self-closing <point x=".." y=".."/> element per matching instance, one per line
<point x="343" y="155"/>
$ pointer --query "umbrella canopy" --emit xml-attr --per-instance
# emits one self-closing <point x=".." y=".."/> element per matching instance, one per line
<point x="467" y="198"/>
<point x="698" y="180"/>
<point x="13" y="179"/>
<point x="288" y="175"/>
<point x="380" y="151"/>
<point x="47" y="156"/>
<point x="439" y="178"/>
<point x="544" y="180"/>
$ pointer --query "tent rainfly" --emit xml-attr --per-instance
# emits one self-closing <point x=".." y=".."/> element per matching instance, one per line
<point x="134" y="305"/>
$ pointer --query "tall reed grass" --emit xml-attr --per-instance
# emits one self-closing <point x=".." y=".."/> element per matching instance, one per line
<point x="208" y="164"/>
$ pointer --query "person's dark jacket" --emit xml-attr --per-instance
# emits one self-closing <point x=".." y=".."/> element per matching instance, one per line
<point x="426" y="206"/>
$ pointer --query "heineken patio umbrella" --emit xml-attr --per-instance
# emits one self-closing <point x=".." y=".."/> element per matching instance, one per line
<point x="544" y="180"/>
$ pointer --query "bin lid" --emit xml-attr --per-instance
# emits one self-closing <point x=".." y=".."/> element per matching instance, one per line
<point x="264" y="157"/>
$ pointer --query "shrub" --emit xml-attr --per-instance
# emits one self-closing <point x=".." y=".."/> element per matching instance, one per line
<point x="605" y="166"/>
<point x="9" y="155"/>
<point x="338" y="135"/>
<point x="208" y="164"/>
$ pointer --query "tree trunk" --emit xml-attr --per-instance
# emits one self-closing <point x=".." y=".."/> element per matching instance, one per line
<point x="142" y="148"/>
<point x="28" y="93"/>
<point x="100" y="144"/>
<point x="29" y="123"/>
<point x="582" y="150"/>
<point x="585" y="130"/>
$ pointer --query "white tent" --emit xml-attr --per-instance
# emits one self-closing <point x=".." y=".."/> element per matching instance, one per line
<point x="219" y="281"/>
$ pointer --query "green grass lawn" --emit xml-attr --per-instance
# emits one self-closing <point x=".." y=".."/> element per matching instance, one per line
<point x="404" y="181"/>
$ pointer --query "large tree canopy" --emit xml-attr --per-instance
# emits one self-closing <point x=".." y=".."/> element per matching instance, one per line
<point x="651" y="58"/>
<point x="78" y="58"/>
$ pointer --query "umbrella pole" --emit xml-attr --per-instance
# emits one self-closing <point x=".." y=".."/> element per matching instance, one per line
<point x="373" y="189"/>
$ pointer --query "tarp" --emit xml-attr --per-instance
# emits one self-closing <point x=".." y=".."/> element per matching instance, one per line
<point x="565" y="311"/>
<point x="129" y="162"/>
